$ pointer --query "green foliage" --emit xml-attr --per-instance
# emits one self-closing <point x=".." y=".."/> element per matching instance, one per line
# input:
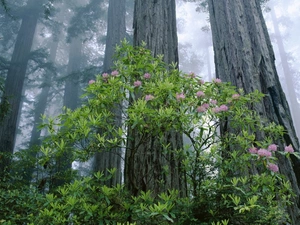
<point x="226" y="183"/>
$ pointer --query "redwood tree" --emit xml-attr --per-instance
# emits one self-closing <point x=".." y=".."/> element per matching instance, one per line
<point x="116" y="31"/>
<point x="155" y="24"/>
<point x="244" y="57"/>
<point x="15" y="79"/>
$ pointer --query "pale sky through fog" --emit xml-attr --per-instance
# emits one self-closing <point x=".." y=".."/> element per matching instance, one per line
<point x="190" y="23"/>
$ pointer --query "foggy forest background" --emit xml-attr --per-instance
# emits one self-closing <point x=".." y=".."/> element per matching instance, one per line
<point x="68" y="53"/>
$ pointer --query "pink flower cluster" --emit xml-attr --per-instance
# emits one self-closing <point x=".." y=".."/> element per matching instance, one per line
<point x="149" y="97"/>
<point x="180" y="96"/>
<point x="201" y="81"/>
<point x="272" y="147"/>
<point x="114" y="73"/>
<point x="273" y="167"/>
<point x="147" y="76"/>
<point x="289" y="149"/>
<point x="267" y="153"/>
<point x="221" y="108"/>
<point x="91" y="82"/>
<point x="200" y="94"/>
<point x="264" y="153"/>
<point x="105" y="76"/>
<point x="137" y="83"/>
<point x="217" y="80"/>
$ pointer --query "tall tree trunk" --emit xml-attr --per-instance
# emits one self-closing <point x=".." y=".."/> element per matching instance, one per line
<point x="15" y="80"/>
<point x="64" y="163"/>
<point x="244" y="57"/>
<point x="289" y="78"/>
<point x="116" y="31"/>
<point x="40" y="108"/>
<point x="71" y="86"/>
<point x="155" y="24"/>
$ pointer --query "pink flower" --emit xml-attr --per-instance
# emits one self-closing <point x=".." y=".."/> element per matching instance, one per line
<point x="216" y="110"/>
<point x="264" y="152"/>
<point x="201" y="109"/>
<point x="253" y="150"/>
<point x="149" y="97"/>
<point x="137" y="83"/>
<point x="114" y="73"/>
<point x="180" y="96"/>
<point x="273" y="167"/>
<point x="91" y="82"/>
<point x="105" y="76"/>
<point x="217" y="80"/>
<point x="214" y="102"/>
<point x="205" y="105"/>
<point x="272" y="147"/>
<point x="200" y="93"/>
<point x="200" y="81"/>
<point x="223" y="108"/>
<point x="236" y="96"/>
<point x="289" y="149"/>
<point x="147" y="76"/>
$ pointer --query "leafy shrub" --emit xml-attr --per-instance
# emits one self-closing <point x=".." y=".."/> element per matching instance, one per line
<point x="232" y="177"/>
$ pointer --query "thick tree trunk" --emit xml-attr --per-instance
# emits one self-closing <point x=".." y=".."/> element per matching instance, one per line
<point x="244" y="57"/>
<point x="15" y="80"/>
<point x="289" y="78"/>
<point x="155" y="24"/>
<point x="116" y="31"/>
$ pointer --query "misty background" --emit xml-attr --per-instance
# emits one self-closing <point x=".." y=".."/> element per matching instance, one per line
<point x="72" y="22"/>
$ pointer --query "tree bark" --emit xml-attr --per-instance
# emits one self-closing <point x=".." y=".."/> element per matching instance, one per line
<point x="155" y="24"/>
<point x="116" y="31"/>
<point x="15" y="80"/>
<point x="244" y="57"/>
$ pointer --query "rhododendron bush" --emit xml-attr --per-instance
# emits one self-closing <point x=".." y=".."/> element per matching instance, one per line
<point x="232" y="178"/>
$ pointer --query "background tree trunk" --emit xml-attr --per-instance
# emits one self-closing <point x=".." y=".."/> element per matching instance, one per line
<point x="155" y="24"/>
<point x="244" y="57"/>
<point x="63" y="164"/>
<point x="289" y="78"/>
<point x="116" y="31"/>
<point x="15" y="79"/>
<point x="40" y="107"/>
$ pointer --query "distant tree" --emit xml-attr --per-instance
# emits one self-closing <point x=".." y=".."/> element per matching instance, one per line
<point x="39" y="110"/>
<point x="146" y="157"/>
<point x="116" y="32"/>
<point x="15" y="79"/>
<point x="244" y="57"/>
<point x="289" y="77"/>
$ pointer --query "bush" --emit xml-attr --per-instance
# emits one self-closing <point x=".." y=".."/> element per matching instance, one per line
<point x="231" y="178"/>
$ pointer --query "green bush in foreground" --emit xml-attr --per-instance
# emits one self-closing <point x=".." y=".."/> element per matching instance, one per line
<point x="231" y="179"/>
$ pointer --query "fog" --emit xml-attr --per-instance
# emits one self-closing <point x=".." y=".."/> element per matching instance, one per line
<point x="70" y="19"/>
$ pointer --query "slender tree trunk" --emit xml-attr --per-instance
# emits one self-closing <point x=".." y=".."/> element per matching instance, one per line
<point x="63" y="164"/>
<point x="244" y="57"/>
<point x="15" y="80"/>
<point x="155" y="24"/>
<point x="71" y="86"/>
<point x="40" y="108"/>
<point x="289" y="78"/>
<point x="116" y="31"/>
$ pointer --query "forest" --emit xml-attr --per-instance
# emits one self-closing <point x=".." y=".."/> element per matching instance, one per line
<point x="155" y="112"/>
